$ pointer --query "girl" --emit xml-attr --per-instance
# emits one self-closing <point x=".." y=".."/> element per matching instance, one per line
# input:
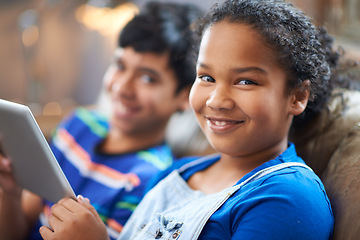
<point x="259" y="64"/>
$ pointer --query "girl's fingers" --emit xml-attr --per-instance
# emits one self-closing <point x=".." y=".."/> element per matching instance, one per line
<point x="46" y="233"/>
<point x="54" y="222"/>
<point x="60" y="212"/>
<point x="81" y="199"/>
<point x="70" y="204"/>
<point x="85" y="202"/>
<point x="71" y="219"/>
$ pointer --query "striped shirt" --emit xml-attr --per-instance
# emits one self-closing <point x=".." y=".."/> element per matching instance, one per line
<point x="114" y="183"/>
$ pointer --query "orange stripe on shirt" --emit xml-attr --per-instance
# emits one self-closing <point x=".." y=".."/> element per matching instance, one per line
<point x="85" y="158"/>
<point x="46" y="210"/>
<point x="114" y="225"/>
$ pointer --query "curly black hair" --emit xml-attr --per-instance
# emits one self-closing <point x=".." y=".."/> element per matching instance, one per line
<point x="302" y="49"/>
<point x="166" y="27"/>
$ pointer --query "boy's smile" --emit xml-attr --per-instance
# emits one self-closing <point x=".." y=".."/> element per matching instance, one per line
<point x="239" y="96"/>
<point x="123" y="111"/>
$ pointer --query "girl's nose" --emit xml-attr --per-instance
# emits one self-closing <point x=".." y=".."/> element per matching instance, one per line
<point x="220" y="99"/>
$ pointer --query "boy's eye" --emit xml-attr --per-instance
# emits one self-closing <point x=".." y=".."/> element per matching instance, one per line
<point x="147" y="79"/>
<point x="119" y="65"/>
<point x="206" y="79"/>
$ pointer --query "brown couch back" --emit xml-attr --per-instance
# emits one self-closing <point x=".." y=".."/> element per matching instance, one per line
<point x="331" y="147"/>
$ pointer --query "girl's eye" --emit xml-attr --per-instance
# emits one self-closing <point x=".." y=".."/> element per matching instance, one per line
<point x="245" y="82"/>
<point x="147" y="79"/>
<point x="206" y="79"/>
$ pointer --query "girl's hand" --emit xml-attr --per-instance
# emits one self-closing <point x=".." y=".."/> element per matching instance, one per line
<point x="7" y="179"/>
<point x="74" y="220"/>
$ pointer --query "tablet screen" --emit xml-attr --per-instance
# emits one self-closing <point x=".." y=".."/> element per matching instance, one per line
<point x="35" y="167"/>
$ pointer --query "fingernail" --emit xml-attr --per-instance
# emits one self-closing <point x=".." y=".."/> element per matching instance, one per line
<point x="81" y="198"/>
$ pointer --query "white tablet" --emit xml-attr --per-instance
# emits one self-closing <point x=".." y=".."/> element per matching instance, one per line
<point x="34" y="164"/>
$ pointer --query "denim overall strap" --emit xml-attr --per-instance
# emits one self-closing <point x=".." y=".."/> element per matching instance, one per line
<point x="189" y="211"/>
<point x="224" y="195"/>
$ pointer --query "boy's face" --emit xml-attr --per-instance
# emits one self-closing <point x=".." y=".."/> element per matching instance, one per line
<point x="142" y="88"/>
<point x="239" y="94"/>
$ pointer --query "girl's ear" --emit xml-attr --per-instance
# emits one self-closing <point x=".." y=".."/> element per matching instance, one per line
<point x="300" y="98"/>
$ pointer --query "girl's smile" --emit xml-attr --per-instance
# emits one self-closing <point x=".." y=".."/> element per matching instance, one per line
<point x="222" y="125"/>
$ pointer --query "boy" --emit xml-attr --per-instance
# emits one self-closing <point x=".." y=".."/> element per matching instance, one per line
<point x="111" y="160"/>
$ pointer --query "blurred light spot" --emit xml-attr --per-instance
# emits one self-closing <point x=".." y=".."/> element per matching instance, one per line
<point x="28" y="18"/>
<point x="30" y="36"/>
<point x="105" y="20"/>
<point x="51" y="109"/>
<point x="97" y="3"/>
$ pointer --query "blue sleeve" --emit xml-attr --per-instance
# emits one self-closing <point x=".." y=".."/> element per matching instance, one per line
<point x="65" y="123"/>
<point x="280" y="207"/>
<point x="286" y="211"/>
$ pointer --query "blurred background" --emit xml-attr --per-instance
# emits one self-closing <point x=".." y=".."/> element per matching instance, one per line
<point x="54" y="53"/>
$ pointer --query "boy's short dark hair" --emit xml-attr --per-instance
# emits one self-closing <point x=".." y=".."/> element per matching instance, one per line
<point x="166" y="27"/>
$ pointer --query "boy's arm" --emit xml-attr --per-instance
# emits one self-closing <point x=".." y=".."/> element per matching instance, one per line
<point x="72" y="219"/>
<point x="19" y="209"/>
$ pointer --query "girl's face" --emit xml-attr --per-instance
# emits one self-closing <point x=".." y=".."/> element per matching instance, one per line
<point x="239" y="95"/>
